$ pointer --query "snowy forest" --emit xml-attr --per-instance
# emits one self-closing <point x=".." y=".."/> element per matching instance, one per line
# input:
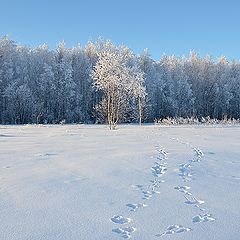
<point x="102" y="82"/>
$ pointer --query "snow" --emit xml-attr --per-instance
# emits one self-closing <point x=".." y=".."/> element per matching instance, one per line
<point x="150" y="182"/>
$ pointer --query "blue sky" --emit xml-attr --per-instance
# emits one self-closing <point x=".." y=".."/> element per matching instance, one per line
<point x="170" y="26"/>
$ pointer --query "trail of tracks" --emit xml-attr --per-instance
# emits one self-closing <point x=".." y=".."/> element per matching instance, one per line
<point x="156" y="181"/>
<point x="147" y="191"/>
<point x="185" y="172"/>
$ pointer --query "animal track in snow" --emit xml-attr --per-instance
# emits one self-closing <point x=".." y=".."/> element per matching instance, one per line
<point x="147" y="194"/>
<point x="194" y="201"/>
<point x="184" y="168"/>
<point x="120" y="219"/>
<point x="198" y="152"/>
<point x="203" y="218"/>
<point x="150" y="190"/>
<point x="135" y="206"/>
<point x="172" y="229"/>
<point x="162" y="155"/>
<point x="156" y="182"/>
<point x="161" y="151"/>
<point x="158" y="169"/>
<point x="185" y="172"/>
<point x="184" y="189"/>
<point x="124" y="232"/>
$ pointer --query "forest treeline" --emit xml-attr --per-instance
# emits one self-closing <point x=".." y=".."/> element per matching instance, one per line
<point x="84" y="84"/>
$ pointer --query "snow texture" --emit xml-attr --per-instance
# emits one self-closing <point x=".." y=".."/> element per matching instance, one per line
<point x="150" y="182"/>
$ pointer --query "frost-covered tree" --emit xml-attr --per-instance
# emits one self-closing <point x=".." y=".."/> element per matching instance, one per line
<point x="151" y="75"/>
<point x="82" y="68"/>
<point x="234" y="88"/>
<point x="47" y="90"/>
<point x="180" y="93"/>
<point x="64" y="84"/>
<point x="20" y="102"/>
<point x="39" y="85"/>
<point x="118" y="82"/>
<point x="110" y="77"/>
<point x="139" y="91"/>
<point x="7" y="66"/>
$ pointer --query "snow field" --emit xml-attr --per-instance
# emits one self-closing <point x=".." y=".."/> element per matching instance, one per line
<point x="149" y="182"/>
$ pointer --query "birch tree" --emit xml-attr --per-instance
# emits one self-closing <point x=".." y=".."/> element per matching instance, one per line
<point x="139" y="91"/>
<point x="118" y="82"/>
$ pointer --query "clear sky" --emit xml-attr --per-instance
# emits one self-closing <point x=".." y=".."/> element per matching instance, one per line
<point x="163" y="26"/>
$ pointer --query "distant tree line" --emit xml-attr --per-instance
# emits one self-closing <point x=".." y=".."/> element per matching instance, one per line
<point x="101" y="82"/>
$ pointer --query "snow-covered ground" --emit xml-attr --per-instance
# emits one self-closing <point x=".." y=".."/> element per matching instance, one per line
<point x="84" y="182"/>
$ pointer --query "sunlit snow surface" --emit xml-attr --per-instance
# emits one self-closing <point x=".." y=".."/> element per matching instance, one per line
<point x="85" y="182"/>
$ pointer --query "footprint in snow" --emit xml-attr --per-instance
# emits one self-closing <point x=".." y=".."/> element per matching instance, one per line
<point x="158" y="169"/>
<point x="203" y="218"/>
<point x="124" y="232"/>
<point x="120" y="219"/>
<point x="162" y="152"/>
<point x="147" y="195"/>
<point x="195" y="202"/>
<point x="134" y="206"/>
<point x="161" y="158"/>
<point x="184" y="171"/>
<point x="198" y="152"/>
<point x="172" y="229"/>
<point x="156" y="182"/>
<point x="183" y="189"/>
